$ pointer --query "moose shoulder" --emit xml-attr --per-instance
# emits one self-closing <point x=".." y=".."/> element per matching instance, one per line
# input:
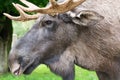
<point x="87" y="36"/>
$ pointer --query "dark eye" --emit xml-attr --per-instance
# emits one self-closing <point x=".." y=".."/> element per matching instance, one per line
<point x="48" y="22"/>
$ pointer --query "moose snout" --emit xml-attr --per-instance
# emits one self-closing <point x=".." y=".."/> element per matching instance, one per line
<point x="18" y="64"/>
<point x="15" y="69"/>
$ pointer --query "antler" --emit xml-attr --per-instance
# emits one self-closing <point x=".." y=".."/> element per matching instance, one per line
<point x="23" y="16"/>
<point x="52" y="9"/>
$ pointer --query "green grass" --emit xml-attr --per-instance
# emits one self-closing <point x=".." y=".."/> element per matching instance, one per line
<point x="43" y="73"/>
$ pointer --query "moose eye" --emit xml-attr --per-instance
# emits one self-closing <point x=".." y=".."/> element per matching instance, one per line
<point x="48" y="22"/>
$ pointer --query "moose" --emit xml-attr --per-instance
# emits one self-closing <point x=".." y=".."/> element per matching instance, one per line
<point x="68" y="33"/>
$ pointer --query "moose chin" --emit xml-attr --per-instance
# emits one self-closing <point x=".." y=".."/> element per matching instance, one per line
<point x="68" y="33"/>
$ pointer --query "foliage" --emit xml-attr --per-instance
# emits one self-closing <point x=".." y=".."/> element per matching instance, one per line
<point x="43" y="73"/>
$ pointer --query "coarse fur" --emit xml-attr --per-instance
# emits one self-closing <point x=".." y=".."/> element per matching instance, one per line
<point x="87" y="36"/>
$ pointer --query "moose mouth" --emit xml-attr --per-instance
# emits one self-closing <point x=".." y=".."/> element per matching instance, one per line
<point x="17" y="72"/>
<point x="18" y="69"/>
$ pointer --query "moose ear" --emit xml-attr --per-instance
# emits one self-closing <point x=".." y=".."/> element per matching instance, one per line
<point x="87" y="18"/>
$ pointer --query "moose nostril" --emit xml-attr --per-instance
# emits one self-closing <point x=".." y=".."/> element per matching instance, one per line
<point x="20" y="59"/>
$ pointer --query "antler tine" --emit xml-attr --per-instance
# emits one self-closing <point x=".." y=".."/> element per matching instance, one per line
<point x="30" y="6"/>
<point x="54" y="8"/>
<point x="53" y="2"/>
<point x="23" y="16"/>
